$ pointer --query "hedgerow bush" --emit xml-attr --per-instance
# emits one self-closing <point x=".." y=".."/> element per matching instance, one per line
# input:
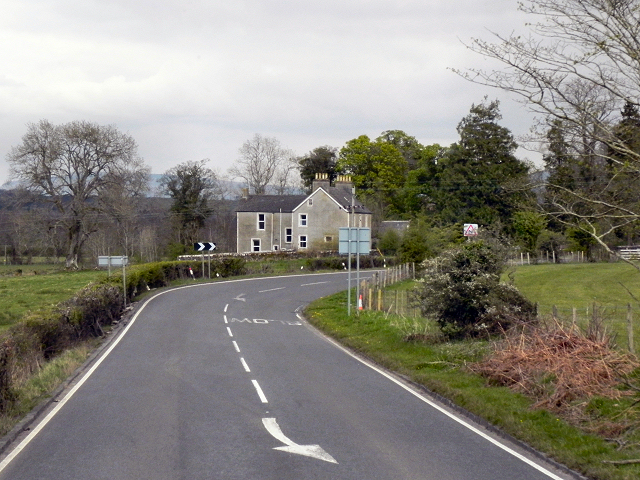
<point x="341" y="263"/>
<point x="461" y="290"/>
<point x="44" y="334"/>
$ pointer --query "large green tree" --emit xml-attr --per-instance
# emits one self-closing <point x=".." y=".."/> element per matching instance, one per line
<point x="73" y="166"/>
<point x="193" y="187"/>
<point x="378" y="170"/>
<point x="472" y="177"/>
<point x="578" y="65"/>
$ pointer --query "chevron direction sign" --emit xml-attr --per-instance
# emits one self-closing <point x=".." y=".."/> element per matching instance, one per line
<point x="204" y="246"/>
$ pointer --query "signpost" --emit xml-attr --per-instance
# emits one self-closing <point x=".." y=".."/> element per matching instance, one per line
<point x="205" y="247"/>
<point x="354" y="240"/>
<point x="470" y="229"/>
<point x="117" y="261"/>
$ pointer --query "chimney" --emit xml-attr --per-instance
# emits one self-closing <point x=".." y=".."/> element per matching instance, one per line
<point x="321" y="180"/>
<point x="245" y="194"/>
<point x="344" y="180"/>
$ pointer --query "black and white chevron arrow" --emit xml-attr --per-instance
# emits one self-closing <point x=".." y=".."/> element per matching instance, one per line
<point x="204" y="246"/>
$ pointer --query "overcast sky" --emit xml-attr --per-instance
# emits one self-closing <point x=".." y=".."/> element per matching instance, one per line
<point x="192" y="80"/>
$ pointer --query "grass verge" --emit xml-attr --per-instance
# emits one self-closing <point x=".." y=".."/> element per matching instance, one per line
<point x="440" y="367"/>
<point x="42" y="384"/>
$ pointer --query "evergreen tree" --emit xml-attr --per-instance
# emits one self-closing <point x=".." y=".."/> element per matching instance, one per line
<point x="471" y="185"/>
<point x="192" y="186"/>
<point x="319" y="160"/>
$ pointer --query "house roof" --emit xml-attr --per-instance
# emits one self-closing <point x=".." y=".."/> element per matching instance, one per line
<point x="341" y="194"/>
<point x="289" y="203"/>
<point x="270" y="203"/>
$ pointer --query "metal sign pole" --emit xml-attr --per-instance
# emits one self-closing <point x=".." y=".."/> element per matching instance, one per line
<point x="349" y="276"/>
<point x="124" y="282"/>
<point x="358" y="266"/>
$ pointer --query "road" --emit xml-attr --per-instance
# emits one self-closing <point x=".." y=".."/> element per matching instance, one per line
<point x="225" y="381"/>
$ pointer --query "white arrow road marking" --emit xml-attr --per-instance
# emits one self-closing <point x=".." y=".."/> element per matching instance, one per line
<point x="314" y="451"/>
<point x="239" y="297"/>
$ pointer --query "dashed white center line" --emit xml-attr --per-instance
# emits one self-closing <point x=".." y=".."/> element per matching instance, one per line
<point x="316" y="283"/>
<point x="235" y="345"/>
<point x="272" y="290"/>
<point x="263" y="399"/>
<point x="229" y="330"/>
<point x="226" y="307"/>
<point x="225" y="319"/>
<point x="244" y="364"/>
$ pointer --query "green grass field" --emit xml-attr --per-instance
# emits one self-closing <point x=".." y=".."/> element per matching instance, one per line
<point x="20" y="294"/>
<point x="610" y="287"/>
<point x="579" y="285"/>
<point x="442" y="367"/>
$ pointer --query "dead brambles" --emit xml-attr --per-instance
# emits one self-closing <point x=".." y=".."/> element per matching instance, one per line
<point x="557" y="366"/>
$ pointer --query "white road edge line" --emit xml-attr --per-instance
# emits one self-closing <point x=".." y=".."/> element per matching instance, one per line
<point x="71" y="392"/>
<point x="14" y="453"/>
<point x="244" y="364"/>
<point x="465" y="424"/>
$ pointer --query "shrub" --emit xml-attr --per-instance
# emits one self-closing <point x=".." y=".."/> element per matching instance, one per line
<point x="461" y="290"/>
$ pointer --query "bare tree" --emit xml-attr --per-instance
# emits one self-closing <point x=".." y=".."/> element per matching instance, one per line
<point x="284" y="179"/>
<point x="576" y="69"/>
<point x="259" y="161"/>
<point x="72" y="166"/>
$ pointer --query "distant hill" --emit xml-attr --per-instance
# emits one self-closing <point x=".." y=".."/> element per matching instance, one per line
<point x="231" y="189"/>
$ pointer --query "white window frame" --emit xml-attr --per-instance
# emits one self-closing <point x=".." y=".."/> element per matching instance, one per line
<point x="256" y="242"/>
<point x="301" y="241"/>
<point x="288" y="237"/>
<point x="303" y="220"/>
<point x="262" y="219"/>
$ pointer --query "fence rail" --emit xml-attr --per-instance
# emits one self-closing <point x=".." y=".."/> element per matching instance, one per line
<point x="620" y="323"/>
<point x="375" y="294"/>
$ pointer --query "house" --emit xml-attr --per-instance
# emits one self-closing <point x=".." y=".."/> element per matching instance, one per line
<point x="267" y="223"/>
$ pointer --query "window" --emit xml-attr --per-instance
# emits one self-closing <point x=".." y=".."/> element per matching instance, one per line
<point x="302" y="241"/>
<point x="310" y="202"/>
<point x="261" y="221"/>
<point x="302" y="220"/>
<point x="328" y="238"/>
<point x="289" y="235"/>
<point x="255" y="244"/>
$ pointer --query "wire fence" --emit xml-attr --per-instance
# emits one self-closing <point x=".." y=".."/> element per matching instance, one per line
<point x="376" y="294"/>
<point x="618" y="323"/>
